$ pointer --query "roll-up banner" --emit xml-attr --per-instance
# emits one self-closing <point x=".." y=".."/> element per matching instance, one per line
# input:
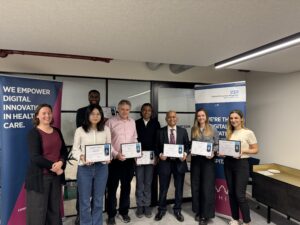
<point x="19" y="98"/>
<point x="219" y="100"/>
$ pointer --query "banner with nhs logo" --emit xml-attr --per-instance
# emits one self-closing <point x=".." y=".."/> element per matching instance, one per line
<point x="219" y="100"/>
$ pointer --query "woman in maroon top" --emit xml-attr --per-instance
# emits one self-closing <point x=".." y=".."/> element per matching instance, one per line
<point x="47" y="155"/>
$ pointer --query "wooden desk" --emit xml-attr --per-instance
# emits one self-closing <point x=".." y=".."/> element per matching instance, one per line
<point x="279" y="191"/>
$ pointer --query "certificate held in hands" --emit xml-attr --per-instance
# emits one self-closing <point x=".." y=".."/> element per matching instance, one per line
<point x="146" y="159"/>
<point x="131" y="150"/>
<point x="230" y="148"/>
<point x="172" y="150"/>
<point x="98" y="153"/>
<point x="202" y="148"/>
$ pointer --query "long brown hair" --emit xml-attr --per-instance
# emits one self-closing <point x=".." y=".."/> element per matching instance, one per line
<point x="230" y="128"/>
<point x="196" y="127"/>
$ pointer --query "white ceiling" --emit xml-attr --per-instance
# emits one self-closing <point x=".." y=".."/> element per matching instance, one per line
<point x="190" y="32"/>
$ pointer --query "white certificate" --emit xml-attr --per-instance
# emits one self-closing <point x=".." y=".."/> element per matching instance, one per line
<point x="175" y="151"/>
<point x="230" y="148"/>
<point x="131" y="150"/>
<point x="98" y="153"/>
<point x="146" y="159"/>
<point x="202" y="148"/>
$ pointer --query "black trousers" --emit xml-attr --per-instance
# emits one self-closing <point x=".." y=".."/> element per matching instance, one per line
<point x="44" y="208"/>
<point x="203" y="186"/>
<point x="119" y="171"/>
<point x="237" y="176"/>
<point x="164" y="183"/>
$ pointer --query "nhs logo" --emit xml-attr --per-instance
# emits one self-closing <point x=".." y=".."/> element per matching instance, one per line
<point x="234" y="92"/>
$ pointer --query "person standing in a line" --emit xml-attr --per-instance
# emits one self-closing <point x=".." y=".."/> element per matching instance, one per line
<point x="203" y="169"/>
<point x="147" y="128"/>
<point x="45" y="174"/>
<point x="91" y="176"/>
<point x="237" y="169"/>
<point x="123" y="131"/>
<point x="171" y="134"/>
<point x="94" y="99"/>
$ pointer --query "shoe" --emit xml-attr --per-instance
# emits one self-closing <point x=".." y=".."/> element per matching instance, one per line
<point x="179" y="216"/>
<point x="233" y="222"/>
<point x="148" y="211"/>
<point x="111" y="221"/>
<point x="203" y="221"/>
<point x="125" y="218"/>
<point x="159" y="215"/>
<point x="197" y="217"/>
<point x="139" y="212"/>
<point x="77" y="220"/>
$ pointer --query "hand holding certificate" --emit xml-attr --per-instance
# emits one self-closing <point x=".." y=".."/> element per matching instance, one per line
<point x="230" y="148"/>
<point x="147" y="158"/>
<point x="172" y="150"/>
<point x="98" y="153"/>
<point x="202" y="148"/>
<point x="131" y="150"/>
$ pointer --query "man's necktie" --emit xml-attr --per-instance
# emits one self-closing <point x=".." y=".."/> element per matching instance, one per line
<point x="172" y="137"/>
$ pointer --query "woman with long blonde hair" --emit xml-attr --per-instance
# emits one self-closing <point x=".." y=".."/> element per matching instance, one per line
<point x="237" y="169"/>
<point x="203" y="169"/>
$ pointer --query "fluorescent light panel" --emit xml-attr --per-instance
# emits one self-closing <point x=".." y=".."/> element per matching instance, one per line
<point x="263" y="50"/>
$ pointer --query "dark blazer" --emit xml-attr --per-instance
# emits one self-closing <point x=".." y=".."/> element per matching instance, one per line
<point x="34" y="177"/>
<point x="181" y="138"/>
<point x="80" y="115"/>
<point x="147" y="134"/>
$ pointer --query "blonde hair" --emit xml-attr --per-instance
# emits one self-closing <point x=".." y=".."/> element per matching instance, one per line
<point x="230" y="128"/>
<point x="196" y="127"/>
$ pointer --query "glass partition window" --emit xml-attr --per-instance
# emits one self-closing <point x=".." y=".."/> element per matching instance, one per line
<point x="137" y="92"/>
<point x="177" y="99"/>
<point x="75" y="91"/>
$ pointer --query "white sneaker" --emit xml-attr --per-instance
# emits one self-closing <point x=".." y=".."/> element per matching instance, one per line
<point x="233" y="222"/>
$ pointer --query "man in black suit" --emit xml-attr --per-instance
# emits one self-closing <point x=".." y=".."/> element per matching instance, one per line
<point x="171" y="134"/>
<point x="94" y="99"/>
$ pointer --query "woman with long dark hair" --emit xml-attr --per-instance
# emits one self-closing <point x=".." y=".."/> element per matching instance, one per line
<point x="92" y="132"/>
<point x="45" y="175"/>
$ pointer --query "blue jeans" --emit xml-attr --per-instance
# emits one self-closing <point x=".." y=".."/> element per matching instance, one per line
<point x="87" y="176"/>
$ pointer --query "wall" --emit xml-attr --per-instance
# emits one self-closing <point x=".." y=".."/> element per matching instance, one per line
<point x="115" y="69"/>
<point x="273" y="112"/>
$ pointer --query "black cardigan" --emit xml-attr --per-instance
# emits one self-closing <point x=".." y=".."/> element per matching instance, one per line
<point x="34" y="177"/>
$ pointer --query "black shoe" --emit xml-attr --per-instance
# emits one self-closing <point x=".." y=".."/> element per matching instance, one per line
<point x="111" y="221"/>
<point x="203" y="221"/>
<point x="77" y="220"/>
<point x="139" y="212"/>
<point x="148" y="211"/>
<point x="159" y="215"/>
<point x="125" y="218"/>
<point x="197" y="217"/>
<point x="179" y="216"/>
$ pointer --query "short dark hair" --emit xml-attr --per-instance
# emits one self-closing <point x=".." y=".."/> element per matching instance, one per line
<point x="146" y="105"/>
<point x="36" y="120"/>
<point x="87" y="124"/>
<point x="94" y="91"/>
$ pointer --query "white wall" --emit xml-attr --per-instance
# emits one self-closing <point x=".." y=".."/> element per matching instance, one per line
<point x="115" y="69"/>
<point x="273" y="110"/>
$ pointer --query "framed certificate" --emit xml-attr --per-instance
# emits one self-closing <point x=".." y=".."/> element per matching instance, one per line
<point x="98" y="153"/>
<point x="146" y="159"/>
<point x="230" y="148"/>
<point x="172" y="150"/>
<point x="131" y="150"/>
<point x="202" y="148"/>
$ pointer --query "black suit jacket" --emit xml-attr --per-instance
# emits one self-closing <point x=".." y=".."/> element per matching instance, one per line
<point x="163" y="138"/>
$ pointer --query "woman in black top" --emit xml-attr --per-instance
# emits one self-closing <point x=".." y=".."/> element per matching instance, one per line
<point x="47" y="155"/>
